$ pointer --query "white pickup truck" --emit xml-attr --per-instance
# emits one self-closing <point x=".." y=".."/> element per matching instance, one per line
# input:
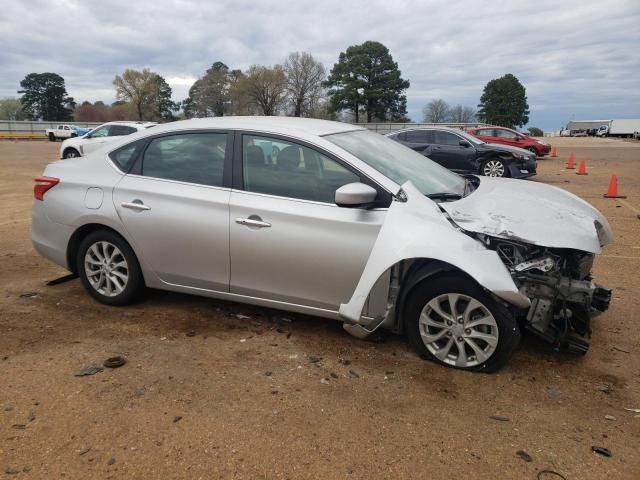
<point x="61" y="132"/>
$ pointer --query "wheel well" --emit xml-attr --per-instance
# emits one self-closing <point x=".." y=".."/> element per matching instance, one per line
<point x="79" y="235"/>
<point x="70" y="148"/>
<point x="415" y="272"/>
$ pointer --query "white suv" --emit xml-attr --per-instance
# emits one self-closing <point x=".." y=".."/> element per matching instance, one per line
<point x="79" y="146"/>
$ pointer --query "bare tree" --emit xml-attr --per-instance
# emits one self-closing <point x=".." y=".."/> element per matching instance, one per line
<point x="462" y="114"/>
<point x="304" y="82"/>
<point x="436" y="111"/>
<point x="266" y="88"/>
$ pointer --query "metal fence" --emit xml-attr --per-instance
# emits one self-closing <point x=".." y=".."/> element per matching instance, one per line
<point x="35" y="130"/>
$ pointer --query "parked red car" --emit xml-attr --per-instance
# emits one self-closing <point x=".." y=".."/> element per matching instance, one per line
<point x="506" y="136"/>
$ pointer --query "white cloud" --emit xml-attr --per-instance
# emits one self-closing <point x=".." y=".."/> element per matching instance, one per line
<point x="575" y="58"/>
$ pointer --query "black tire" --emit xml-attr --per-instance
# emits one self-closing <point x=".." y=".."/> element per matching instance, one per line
<point x="135" y="283"/>
<point x="432" y="288"/>
<point x="52" y="137"/>
<point x="71" y="153"/>
<point x="505" y="170"/>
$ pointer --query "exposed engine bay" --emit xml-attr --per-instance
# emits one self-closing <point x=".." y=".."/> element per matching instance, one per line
<point x="559" y="284"/>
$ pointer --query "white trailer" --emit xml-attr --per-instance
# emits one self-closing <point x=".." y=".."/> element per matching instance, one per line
<point x="619" y="128"/>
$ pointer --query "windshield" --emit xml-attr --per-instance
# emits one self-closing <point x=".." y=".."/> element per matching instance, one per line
<point x="398" y="163"/>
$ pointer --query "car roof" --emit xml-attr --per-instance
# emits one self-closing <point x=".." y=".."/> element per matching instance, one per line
<point x="446" y="129"/>
<point x="282" y="125"/>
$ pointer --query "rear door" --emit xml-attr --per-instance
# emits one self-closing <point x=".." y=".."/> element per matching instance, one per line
<point x="290" y="242"/>
<point x="175" y="206"/>
<point x="507" y="137"/>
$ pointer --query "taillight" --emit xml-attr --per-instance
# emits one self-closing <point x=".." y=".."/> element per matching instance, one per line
<point x="43" y="185"/>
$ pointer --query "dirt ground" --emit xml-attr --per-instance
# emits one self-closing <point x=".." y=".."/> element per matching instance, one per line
<point x="242" y="397"/>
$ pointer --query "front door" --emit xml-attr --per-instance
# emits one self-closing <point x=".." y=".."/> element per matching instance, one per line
<point x="95" y="139"/>
<point x="176" y="209"/>
<point x="448" y="151"/>
<point x="290" y="242"/>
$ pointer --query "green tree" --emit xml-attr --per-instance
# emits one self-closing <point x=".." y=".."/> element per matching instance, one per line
<point x="305" y="77"/>
<point x="11" y="109"/>
<point x="504" y="102"/>
<point x="162" y="107"/>
<point x="536" y="132"/>
<point x="209" y="96"/>
<point x="367" y="78"/>
<point x="45" y="97"/>
<point x="147" y="92"/>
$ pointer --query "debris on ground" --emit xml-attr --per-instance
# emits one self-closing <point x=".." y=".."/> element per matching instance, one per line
<point x="635" y="410"/>
<point x="29" y="295"/>
<point x="19" y="426"/>
<point x="190" y="333"/>
<point x="58" y="281"/>
<point x="620" y="349"/>
<point x="89" y="370"/>
<point x="344" y="361"/>
<point x="177" y="418"/>
<point x="524" y="456"/>
<point x="610" y="417"/>
<point x="84" y="450"/>
<point x="601" y="450"/>
<point x="499" y="418"/>
<point x="242" y="317"/>
<point x="354" y="374"/>
<point x="111" y="461"/>
<point x="604" y="388"/>
<point x="114" y="362"/>
<point x="553" y="391"/>
<point x="324" y="381"/>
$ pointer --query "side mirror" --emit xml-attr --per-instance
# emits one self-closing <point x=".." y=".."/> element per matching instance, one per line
<point x="464" y="143"/>
<point x="355" y="195"/>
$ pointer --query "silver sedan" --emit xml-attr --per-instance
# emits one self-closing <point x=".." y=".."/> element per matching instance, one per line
<point x="332" y="220"/>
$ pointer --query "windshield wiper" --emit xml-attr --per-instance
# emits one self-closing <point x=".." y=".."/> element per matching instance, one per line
<point x="444" y="196"/>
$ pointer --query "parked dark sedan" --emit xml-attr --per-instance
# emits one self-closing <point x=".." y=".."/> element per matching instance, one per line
<point x="464" y="153"/>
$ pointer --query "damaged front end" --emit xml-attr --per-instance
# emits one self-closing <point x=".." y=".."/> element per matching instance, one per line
<point x="558" y="282"/>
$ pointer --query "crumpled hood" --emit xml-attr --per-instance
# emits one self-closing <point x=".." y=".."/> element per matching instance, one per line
<point x="531" y="212"/>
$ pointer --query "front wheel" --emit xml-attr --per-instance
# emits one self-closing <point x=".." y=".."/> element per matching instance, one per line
<point x="494" y="168"/>
<point x="71" y="153"/>
<point x="109" y="269"/>
<point x="452" y="321"/>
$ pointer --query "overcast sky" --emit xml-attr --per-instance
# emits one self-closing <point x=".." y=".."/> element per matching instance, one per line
<point x="576" y="59"/>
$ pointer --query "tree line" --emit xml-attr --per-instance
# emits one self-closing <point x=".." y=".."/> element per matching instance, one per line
<point x="365" y="84"/>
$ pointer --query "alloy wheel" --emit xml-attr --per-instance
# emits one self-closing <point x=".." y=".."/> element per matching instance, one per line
<point x="493" y="168"/>
<point x="106" y="269"/>
<point x="458" y="330"/>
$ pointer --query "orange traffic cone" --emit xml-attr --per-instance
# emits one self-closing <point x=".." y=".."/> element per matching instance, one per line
<point x="554" y="152"/>
<point x="582" y="168"/>
<point x="612" y="192"/>
<point x="571" y="164"/>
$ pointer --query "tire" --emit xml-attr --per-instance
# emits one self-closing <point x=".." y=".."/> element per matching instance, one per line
<point x="112" y="285"/>
<point x="70" y="153"/>
<point x="498" y="325"/>
<point x="52" y="137"/>
<point x="494" y="167"/>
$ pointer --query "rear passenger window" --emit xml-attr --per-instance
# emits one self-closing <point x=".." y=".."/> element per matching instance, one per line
<point x="420" y="136"/>
<point x="120" y="130"/>
<point x="124" y="157"/>
<point x="446" y="138"/>
<point x="189" y="157"/>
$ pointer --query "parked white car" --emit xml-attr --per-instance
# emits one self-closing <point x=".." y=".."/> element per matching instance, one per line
<point x="80" y="146"/>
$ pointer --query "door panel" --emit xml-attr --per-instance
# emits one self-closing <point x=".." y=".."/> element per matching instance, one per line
<point x="184" y="236"/>
<point x="311" y="254"/>
<point x="448" y="152"/>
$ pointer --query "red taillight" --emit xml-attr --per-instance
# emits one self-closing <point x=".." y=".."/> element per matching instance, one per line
<point x="43" y="185"/>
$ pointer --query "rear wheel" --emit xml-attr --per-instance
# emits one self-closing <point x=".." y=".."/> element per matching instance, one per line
<point x="52" y="137"/>
<point x="109" y="269"/>
<point x="454" y="322"/>
<point x="494" y="167"/>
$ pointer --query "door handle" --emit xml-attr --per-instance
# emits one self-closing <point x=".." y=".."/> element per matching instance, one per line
<point x="253" y="222"/>
<point x="135" y="205"/>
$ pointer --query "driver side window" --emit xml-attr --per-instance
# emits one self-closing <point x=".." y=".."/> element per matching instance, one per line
<point x="506" y="134"/>
<point x="100" y="132"/>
